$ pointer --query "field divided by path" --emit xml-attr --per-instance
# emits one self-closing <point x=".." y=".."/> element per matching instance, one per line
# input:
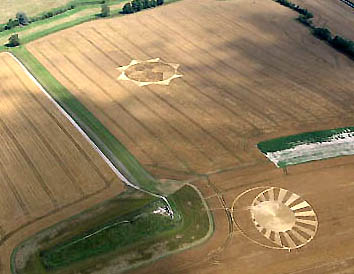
<point x="45" y="163"/>
<point x="243" y="78"/>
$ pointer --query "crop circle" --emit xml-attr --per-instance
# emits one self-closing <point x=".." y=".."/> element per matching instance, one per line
<point x="285" y="219"/>
<point x="153" y="71"/>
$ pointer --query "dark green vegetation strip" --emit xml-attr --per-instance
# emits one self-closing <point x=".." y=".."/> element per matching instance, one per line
<point x="72" y="6"/>
<point x="86" y="18"/>
<point x="341" y="44"/>
<point x="123" y="204"/>
<point x="123" y="160"/>
<point x="292" y="141"/>
<point x="133" y="232"/>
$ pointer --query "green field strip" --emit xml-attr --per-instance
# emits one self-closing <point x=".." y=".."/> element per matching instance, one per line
<point x="309" y="146"/>
<point x="288" y="142"/>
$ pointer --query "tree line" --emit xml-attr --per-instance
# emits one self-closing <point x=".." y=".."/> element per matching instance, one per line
<point x="138" y="5"/>
<point x="341" y="44"/>
<point x="296" y="8"/>
<point x="21" y="18"/>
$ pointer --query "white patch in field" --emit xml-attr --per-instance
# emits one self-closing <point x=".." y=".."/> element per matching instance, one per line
<point x="341" y="144"/>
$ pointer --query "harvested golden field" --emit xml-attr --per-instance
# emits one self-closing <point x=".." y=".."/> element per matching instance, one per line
<point x="46" y="165"/>
<point x="249" y="70"/>
<point x="250" y="73"/>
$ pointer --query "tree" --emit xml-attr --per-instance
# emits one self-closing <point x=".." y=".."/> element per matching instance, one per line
<point x="153" y="3"/>
<point x="105" y="10"/>
<point x="14" y="40"/>
<point x="146" y="4"/>
<point x="22" y="18"/>
<point x="323" y="34"/>
<point x="11" y="24"/>
<point x="160" y="2"/>
<point x="137" y="5"/>
<point x="344" y="45"/>
<point x="127" y="8"/>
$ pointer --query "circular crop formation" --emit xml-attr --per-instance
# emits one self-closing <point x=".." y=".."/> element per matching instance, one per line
<point x="150" y="72"/>
<point x="282" y="217"/>
<point x="153" y="71"/>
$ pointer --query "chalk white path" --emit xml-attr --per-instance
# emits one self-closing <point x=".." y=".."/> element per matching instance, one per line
<point x="341" y="144"/>
<point x="103" y="156"/>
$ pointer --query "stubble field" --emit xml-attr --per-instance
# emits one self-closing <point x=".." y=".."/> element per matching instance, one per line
<point x="250" y="73"/>
<point x="46" y="165"/>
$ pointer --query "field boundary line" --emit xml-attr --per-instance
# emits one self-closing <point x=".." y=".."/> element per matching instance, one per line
<point x="103" y="156"/>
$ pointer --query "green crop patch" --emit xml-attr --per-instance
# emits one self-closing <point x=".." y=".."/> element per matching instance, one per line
<point x="113" y="235"/>
<point x="309" y="146"/>
<point x="292" y="141"/>
<point x="129" y="233"/>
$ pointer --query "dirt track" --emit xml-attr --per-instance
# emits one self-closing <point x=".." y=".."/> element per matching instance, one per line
<point x="250" y="73"/>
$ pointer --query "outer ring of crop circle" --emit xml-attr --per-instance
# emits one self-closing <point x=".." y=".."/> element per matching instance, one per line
<point x="244" y="234"/>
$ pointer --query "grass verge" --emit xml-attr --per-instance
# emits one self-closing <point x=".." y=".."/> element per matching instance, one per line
<point x="121" y="158"/>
